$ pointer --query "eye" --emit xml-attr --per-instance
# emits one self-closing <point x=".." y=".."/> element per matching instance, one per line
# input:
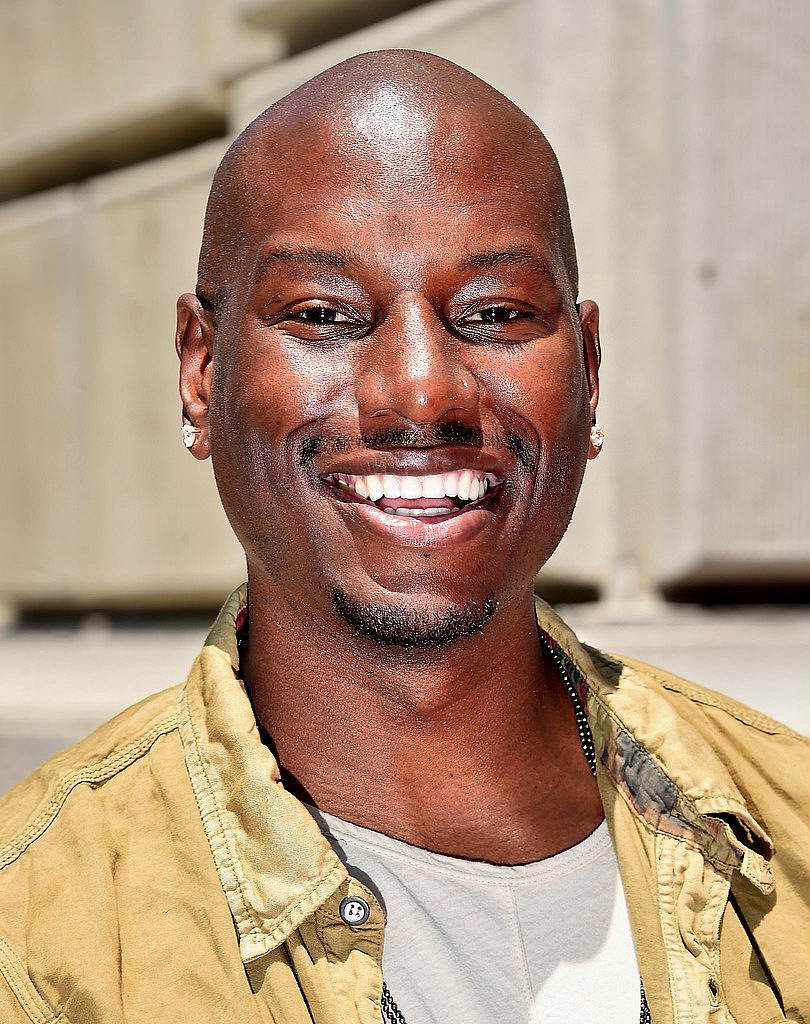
<point x="319" y="315"/>
<point x="495" y="315"/>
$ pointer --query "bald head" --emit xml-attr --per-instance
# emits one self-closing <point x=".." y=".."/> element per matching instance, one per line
<point x="394" y="118"/>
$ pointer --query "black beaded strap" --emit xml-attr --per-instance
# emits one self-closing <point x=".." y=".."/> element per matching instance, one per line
<point x="574" y="684"/>
<point x="391" y="1013"/>
<point x="646" y="1016"/>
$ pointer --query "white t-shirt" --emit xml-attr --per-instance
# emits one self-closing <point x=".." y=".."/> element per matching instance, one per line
<point x="476" y="943"/>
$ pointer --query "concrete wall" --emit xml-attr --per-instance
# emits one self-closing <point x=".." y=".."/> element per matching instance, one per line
<point x="737" y="260"/>
<point x="101" y="82"/>
<point x="681" y="130"/>
<point x="104" y="505"/>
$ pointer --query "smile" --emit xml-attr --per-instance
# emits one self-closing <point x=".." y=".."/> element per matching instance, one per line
<point x="433" y="498"/>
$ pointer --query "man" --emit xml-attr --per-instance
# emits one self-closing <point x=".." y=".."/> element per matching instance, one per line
<point x="382" y="737"/>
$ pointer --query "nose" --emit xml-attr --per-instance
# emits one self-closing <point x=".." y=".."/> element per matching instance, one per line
<point x="412" y="369"/>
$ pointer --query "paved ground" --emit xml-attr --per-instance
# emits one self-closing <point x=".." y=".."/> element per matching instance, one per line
<point x="57" y="685"/>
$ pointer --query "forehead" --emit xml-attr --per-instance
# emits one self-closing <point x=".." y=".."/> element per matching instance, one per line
<point x="415" y="190"/>
<point x="388" y="165"/>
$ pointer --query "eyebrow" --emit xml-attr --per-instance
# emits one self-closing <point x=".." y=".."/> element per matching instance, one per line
<point x="499" y="257"/>
<point x="342" y="259"/>
<point x="312" y="257"/>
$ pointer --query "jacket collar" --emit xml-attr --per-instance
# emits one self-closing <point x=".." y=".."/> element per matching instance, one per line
<point x="658" y="761"/>
<point x="274" y="865"/>
<point x="276" y="868"/>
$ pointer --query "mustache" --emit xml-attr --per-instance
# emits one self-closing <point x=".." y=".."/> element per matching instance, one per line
<point x="429" y="435"/>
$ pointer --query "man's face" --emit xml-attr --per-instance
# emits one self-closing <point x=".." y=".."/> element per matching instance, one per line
<point x="399" y="415"/>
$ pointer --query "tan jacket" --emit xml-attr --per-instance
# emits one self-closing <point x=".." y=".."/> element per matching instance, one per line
<point x="158" y="872"/>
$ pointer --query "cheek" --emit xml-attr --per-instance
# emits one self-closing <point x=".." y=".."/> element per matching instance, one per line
<point x="544" y="393"/>
<point x="267" y="402"/>
<point x="273" y="393"/>
<point x="543" y="400"/>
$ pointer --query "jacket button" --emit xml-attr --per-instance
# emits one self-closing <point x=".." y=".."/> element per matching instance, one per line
<point x="354" y="911"/>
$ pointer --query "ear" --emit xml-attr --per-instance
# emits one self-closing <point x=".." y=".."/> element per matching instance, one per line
<point x="592" y="357"/>
<point x="194" y="342"/>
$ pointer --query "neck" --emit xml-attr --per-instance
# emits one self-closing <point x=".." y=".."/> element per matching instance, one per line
<point x="468" y="749"/>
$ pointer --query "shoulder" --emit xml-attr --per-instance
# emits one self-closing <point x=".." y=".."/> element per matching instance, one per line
<point x="691" y="697"/>
<point x="768" y="761"/>
<point x="38" y="803"/>
<point x="85" y="843"/>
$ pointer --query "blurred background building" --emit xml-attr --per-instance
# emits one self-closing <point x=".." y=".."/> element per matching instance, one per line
<point x="682" y="131"/>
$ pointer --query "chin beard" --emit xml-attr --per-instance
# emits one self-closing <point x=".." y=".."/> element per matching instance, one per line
<point x="405" y="627"/>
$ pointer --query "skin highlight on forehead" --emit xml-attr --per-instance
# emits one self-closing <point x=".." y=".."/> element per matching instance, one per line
<point x="395" y="129"/>
<point x="388" y="121"/>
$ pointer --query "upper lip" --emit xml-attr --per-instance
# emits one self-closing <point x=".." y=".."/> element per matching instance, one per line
<point x="414" y="462"/>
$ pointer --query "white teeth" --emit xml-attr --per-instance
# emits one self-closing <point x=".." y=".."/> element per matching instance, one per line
<point x="410" y="487"/>
<point x="391" y="486"/>
<point x="465" y="484"/>
<point x="420" y="513"/>
<point x="375" y="487"/>
<point x="433" y="487"/>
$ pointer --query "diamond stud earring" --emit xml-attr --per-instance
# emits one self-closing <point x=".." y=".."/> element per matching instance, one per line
<point x="597" y="436"/>
<point x="190" y="434"/>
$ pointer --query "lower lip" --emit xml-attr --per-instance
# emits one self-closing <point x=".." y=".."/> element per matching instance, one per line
<point x="418" y="532"/>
